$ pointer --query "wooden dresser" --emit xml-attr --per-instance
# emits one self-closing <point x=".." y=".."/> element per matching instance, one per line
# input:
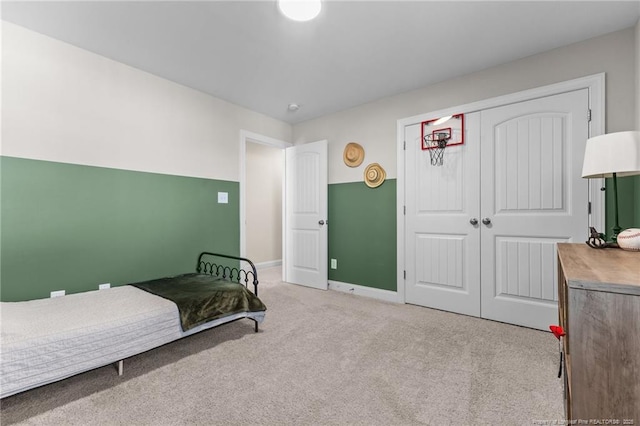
<point x="599" y="308"/>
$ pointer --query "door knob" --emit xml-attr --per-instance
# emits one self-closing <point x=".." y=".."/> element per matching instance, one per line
<point x="473" y="221"/>
<point x="321" y="222"/>
<point x="486" y="221"/>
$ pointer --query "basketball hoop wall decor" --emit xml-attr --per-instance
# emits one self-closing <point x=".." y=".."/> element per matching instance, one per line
<point x="441" y="133"/>
<point x="353" y="154"/>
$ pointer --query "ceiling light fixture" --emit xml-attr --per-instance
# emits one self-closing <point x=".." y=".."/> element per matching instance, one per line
<point x="293" y="107"/>
<point x="300" y="10"/>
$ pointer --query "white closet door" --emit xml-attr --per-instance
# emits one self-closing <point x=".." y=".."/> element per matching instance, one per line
<point x="442" y="262"/>
<point x="533" y="195"/>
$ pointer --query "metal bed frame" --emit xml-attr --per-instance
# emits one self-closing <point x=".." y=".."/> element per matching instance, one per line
<point x="238" y="275"/>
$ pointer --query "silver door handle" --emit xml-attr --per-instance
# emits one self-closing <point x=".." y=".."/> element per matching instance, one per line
<point x="321" y="222"/>
<point x="473" y="221"/>
<point x="486" y="221"/>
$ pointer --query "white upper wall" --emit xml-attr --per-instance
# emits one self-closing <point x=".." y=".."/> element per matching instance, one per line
<point x="65" y="104"/>
<point x="62" y="103"/>
<point x="373" y="125"/>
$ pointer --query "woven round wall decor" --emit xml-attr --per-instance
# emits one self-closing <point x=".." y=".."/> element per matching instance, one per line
<point x="374" y="175"/>
<point x="353" y="154"/>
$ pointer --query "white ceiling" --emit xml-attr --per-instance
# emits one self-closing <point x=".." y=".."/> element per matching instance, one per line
<point x="357" y="51"/>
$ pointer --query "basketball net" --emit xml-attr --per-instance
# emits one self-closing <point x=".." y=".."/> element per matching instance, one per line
<point x="436" y="143"/>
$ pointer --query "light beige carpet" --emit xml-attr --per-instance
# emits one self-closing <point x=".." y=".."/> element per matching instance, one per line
<point x="321" y="357"/>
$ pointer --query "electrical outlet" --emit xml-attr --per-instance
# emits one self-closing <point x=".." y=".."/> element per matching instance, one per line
<point x="334" y="263"/>
<point x="57" y="293"/>
<point x="104" y="286"/>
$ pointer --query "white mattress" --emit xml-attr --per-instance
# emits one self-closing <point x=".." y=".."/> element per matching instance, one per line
<point x="46" y="340"/>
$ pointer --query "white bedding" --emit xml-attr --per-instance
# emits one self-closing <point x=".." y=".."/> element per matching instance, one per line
<point x="46" y="340"/>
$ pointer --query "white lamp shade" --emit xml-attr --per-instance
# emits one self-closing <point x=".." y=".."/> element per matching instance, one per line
<point x="612" y="153"/>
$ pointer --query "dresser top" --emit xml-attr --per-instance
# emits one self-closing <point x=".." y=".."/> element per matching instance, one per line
<point x="610" y="269"/>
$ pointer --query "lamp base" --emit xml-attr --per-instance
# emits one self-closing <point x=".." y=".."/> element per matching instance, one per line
<point x="616" y="226"/>
<point x="615" y="232"/>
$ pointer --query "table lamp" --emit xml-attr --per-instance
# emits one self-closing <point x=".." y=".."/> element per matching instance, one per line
<point x="612" y="155"/>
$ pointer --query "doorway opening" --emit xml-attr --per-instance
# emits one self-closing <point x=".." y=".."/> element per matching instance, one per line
<point x="263" y="219"/>
<point x="261" y="199"/>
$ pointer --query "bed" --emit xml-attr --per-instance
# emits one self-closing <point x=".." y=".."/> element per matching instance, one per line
<point x="46" y="340"/>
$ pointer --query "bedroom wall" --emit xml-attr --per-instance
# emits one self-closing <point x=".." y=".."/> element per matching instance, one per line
<point x="108" y="173"/>
<point x="360" y="235"/>
<point x="373" y="125"/>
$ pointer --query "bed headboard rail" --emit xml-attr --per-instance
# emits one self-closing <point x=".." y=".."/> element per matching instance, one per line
<point x="239" y="275"/>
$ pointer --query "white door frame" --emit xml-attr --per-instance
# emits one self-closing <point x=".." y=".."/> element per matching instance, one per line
<point x="596" y="86"/>
<point x="246" y="136"/>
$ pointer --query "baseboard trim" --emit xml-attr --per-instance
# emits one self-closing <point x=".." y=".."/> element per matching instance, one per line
<point x="360" y="290"/>
<point x="269" y="264"/>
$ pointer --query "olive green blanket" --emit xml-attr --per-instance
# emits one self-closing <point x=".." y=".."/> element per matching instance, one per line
<point x="201" y="298"/>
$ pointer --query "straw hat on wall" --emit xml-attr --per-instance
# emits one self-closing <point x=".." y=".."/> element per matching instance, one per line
<point x="374" y="175"/>
<point x="353" y="154"/>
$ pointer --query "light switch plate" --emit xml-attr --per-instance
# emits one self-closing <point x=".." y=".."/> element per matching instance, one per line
<point x="334" y="263"/>
<point x="223" y="197"/>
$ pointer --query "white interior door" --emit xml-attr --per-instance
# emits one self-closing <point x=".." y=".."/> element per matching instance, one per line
<point x="534" y="197"/>
<point x="306" y="236"/>
<point x="441" y="245"/>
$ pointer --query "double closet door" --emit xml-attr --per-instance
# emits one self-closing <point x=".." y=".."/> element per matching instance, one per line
<point x="481" y="230"/>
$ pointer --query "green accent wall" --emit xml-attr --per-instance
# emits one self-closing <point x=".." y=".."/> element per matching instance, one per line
<point x="362" y="234"/>
<point x="628" y="203"/>
<point x="72" y="227"/>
